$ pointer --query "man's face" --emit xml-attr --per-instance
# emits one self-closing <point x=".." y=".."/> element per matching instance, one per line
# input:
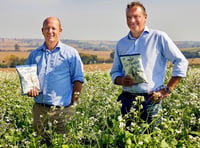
<point x="51" y="30"/>
<point x="136" y="19"/>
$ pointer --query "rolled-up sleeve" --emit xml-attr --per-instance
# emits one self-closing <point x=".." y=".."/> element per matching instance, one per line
<point x="76" y="68"/>
<point x="172" y="53"/>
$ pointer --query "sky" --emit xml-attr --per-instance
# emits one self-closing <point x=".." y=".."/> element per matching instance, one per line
<point x="98" y="19"/>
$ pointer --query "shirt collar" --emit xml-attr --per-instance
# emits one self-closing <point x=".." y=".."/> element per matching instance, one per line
<point x="58" y="46"/>
<point x="146" y="30"/>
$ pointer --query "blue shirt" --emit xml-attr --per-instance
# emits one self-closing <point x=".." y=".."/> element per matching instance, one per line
<point x="155" y="48"/>
<point x="56" y="70"/>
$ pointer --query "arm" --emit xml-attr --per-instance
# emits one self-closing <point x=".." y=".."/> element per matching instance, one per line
<point x="162" y="94"/>
<point x="116" y="70"/>
<point x="172" y="53"/>
<point x="173" y="82"/>
<point x="76" y="92"/>
<point x="77" y="76"/>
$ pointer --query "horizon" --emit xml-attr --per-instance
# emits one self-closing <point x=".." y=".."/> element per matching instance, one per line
<point x="79" y="40"/>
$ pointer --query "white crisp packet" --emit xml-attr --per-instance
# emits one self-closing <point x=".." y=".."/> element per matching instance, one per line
<point x="28" y="77"/>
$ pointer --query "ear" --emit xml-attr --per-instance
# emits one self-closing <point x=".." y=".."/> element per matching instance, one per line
<point x="60" y="30"/>
<point x="42" y="30"/>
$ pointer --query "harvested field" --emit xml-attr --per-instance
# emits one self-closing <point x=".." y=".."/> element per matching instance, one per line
<point x="87" y="68"/>
<point x="195" y="61"/>
<point x="97" y="67"/>
<point x="100" y="54"/>
<point x="3" y="55"/>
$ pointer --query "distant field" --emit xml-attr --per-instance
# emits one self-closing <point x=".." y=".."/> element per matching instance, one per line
<point x="87" y="68"/>
<point x="195" y="61"/>
<point x="3" y="55"/>
<point x="97" y="67"/>
<point x="92" y="67"/>
<point x="100" y="54"/>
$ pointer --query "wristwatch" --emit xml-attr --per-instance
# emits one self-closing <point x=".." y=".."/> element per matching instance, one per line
<point x="167" y="90"/>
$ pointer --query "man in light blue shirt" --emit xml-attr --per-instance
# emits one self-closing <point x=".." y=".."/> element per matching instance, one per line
<point x="155" y="49"/>
<point x="60" y="73"/>
<point x="57" y="71"/>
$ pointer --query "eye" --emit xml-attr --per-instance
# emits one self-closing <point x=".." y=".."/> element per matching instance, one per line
<point x="129" y="17"/>
<point x="136" y="16"/>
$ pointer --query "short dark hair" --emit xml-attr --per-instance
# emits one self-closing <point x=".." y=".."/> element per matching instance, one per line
<point x="136" y="3"/>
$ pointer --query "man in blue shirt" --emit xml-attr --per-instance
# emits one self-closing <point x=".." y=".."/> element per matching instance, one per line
<point x="60" y="73"/>
<point x="154" y="48"/>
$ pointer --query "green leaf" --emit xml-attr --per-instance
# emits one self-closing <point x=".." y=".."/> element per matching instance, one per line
<point x="164" y="144"/>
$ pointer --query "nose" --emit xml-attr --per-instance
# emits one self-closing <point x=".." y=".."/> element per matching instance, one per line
<point x="50" y="30"/>
<point x="132" y="19"/>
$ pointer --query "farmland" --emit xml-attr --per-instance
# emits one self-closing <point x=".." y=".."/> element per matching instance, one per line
<point x="100" y="54"/>
<point x="98" y="123"/>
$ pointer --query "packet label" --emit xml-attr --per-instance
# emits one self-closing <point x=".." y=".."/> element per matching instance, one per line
<point x="28" y="77"/>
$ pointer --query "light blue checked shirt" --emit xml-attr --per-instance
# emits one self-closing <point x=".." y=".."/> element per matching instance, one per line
<point x="155" y="48"/>
<point x="57" y="70"/>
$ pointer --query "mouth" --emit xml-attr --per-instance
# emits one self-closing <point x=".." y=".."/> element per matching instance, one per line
<point x="50" y="37"/>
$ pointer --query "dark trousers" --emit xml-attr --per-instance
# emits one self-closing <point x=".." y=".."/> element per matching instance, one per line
<point x="150" y="108"/>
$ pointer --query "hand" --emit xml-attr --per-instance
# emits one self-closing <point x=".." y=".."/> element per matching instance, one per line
<point x="157" y="96"/>
<point x="127" y="81"/>
<point x="33" y="93"/>
<point x="74" y="102"/>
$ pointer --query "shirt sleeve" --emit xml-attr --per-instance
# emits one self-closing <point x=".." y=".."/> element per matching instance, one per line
<point x="172" y="53"/>
<point x="29" y="60"/>
<point x="117" y="68"/>
<point x="76" y="68"/>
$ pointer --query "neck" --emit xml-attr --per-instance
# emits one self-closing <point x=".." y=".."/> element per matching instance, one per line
<point x="136" y="35"/>
<point x="51" y="46"/>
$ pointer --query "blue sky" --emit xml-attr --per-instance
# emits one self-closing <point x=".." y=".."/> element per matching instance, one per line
<point x="98" y="19"/>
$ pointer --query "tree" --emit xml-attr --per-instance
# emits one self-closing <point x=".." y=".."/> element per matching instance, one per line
<point x="17" y="47"/>
<point x="112" y="55"/>
<point x="13" y="61"/>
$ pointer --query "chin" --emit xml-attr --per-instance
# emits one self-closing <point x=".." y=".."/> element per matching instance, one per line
<point x="51" y="40"/>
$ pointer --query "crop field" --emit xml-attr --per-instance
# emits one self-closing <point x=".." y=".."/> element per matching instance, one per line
<point x="98" y="122"/>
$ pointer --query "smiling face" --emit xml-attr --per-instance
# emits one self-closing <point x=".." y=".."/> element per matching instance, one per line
<point x="51" y="30"/>
<point x="136" y="20"/>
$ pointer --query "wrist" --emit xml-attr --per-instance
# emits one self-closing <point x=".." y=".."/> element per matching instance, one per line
<point x="167" y="89"/>
<point x="118" y="80"/>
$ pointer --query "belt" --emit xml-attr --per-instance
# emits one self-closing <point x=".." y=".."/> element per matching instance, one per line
<point x="138" y="94"/>
<point x="51" y="106"/>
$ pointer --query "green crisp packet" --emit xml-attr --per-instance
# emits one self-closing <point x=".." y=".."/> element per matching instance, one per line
<point x="133" y="67"/>
<point x="28" y="77"/>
